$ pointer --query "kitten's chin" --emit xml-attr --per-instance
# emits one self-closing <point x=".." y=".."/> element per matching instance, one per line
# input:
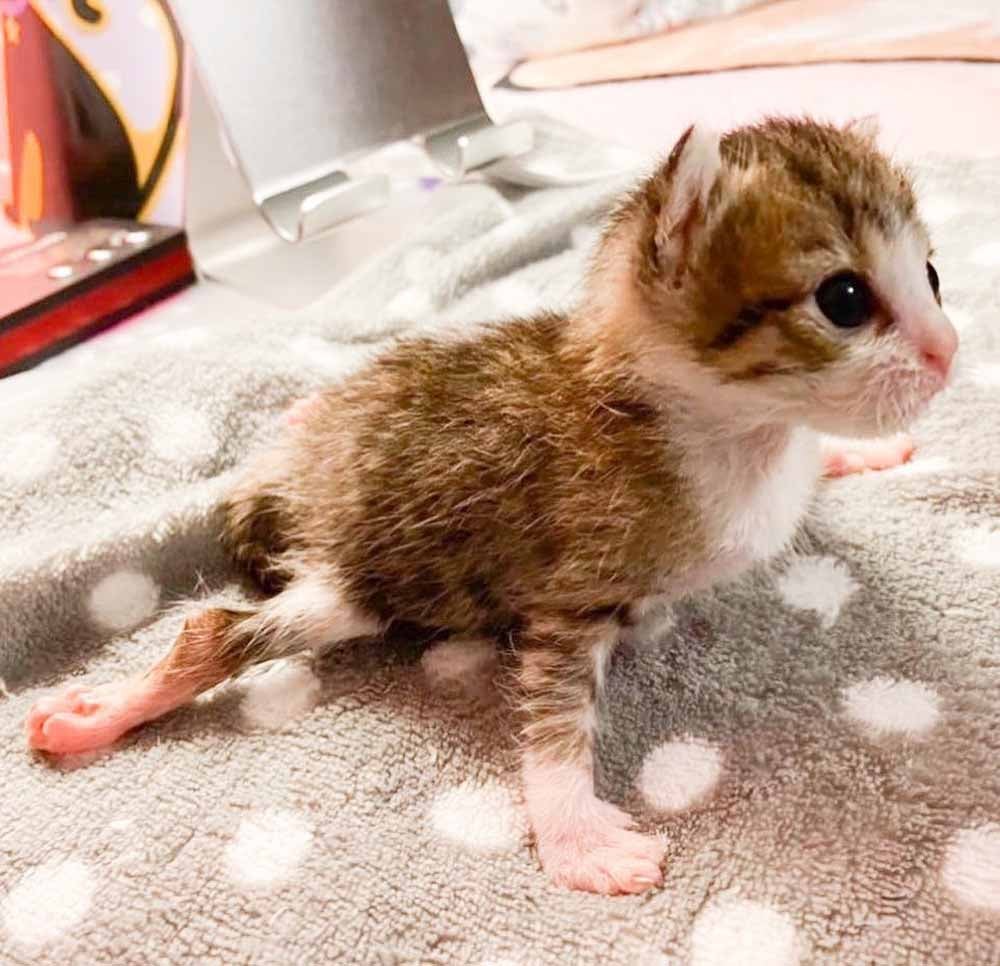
<point x="889" y="410"/>
<point x="858" y="426"/>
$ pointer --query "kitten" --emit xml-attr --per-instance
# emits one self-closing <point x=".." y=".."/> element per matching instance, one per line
<point x="549" y="480"/>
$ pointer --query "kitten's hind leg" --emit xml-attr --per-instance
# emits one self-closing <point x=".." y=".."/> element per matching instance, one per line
<point x="212" y="646"/>
<point x="582" y="842"/>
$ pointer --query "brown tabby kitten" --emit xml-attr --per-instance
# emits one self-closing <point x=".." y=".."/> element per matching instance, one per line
<point x="553" y="480"/>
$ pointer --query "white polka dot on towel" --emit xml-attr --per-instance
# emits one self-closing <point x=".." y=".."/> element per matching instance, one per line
<point x="988" y="255"/>
<point x="122" y="600"/>
<point x="27" y="457"/>
<point x="679" y="774"/>
<point x="979" y="546"/>
<point x="971" y="870"/>
<point x="48" y="901"/>
<point x="182" y="435"/>
<point x="482" y="818"/>
<point x="820" y="584"/>
<point x="742" y="931"/>
<point x="284" y="691"/>
<point x="888" y="706"/>
<point x="268" y="847"/>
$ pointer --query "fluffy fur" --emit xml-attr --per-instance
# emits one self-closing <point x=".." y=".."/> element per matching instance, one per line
<point x="544" y="480"/>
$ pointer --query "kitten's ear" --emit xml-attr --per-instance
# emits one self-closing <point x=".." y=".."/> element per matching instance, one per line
<point x="686" y="180"/>
<point x="866" y="128"/>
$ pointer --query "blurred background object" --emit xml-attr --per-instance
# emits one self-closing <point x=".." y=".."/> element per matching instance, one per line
<point x="94" y="93"/>
<point x="498" y="35"/>
<point x="91" y="174"/>
<point x="791" y="32"/>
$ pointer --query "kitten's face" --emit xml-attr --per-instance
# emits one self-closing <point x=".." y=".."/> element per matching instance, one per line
<point x="887" y="344"/>
<point x="844" y="330"/>
<point x="809" y="283"/>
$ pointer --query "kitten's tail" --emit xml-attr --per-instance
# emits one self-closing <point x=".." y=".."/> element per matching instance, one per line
<point x="256" y="521"/>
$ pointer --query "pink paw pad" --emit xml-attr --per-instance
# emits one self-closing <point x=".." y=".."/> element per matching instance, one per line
<point x="602" y="855"/>
<point x="858" y="456"/>
<point x="81" y="718"/>
<point x="299" y="411"/>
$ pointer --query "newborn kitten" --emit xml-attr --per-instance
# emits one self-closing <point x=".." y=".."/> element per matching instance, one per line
<point x="549" y="480"/>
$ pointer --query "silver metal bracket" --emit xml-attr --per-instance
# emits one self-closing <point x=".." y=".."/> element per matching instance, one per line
<point x="475" y="142"/>
<point x="287" y="100"/>
<point x="236" y="241"/>
<point x="303" y="211"/>
<point x="315" y="126"/>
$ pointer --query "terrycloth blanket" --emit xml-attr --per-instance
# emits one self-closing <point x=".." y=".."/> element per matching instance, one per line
<point x="819" y="743"/>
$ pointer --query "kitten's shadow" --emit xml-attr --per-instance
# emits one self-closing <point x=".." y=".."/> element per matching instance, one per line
<point x="731" y="662"/>
<point x="377" y="674"/>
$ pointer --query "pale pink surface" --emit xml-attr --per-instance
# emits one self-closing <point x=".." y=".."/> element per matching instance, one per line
<point x="924" y="108"/>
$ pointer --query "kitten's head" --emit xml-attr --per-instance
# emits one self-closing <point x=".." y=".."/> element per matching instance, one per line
<point x="789" y="265"/>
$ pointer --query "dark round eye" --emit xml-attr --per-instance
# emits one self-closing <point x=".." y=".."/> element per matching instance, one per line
<point x="932" y="277"/>
<point x="846" y="300"/>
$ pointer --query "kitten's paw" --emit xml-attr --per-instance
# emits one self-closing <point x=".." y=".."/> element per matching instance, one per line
<point x="81" y="718"/>
<point x="602" y="855"/>
<point x="844" y="457"/>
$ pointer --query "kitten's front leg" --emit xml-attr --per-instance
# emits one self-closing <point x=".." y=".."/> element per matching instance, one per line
<point x="582" y="842"/>
<point x="842" y="457"/>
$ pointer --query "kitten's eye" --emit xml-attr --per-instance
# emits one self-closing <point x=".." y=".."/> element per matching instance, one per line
<point x="932" y="277"/>
<point x="846" y="300"/>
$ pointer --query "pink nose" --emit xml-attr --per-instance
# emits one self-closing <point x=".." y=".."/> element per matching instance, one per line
<point x="938" y="347"/>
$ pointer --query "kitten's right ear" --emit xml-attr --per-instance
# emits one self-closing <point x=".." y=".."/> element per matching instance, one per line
<point x="685" y="182"/>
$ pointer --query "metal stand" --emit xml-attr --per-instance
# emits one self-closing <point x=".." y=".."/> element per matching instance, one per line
<point x="287" y="101"/>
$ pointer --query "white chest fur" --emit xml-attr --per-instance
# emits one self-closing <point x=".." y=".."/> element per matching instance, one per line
<point x="763" y="506"/>
<point x="753" y="493"/>
<point x="753" y="496"/>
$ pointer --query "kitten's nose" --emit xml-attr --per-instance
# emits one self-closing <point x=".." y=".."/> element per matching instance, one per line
<point x="938" y="344"/>
<point x="934" y="338"/>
